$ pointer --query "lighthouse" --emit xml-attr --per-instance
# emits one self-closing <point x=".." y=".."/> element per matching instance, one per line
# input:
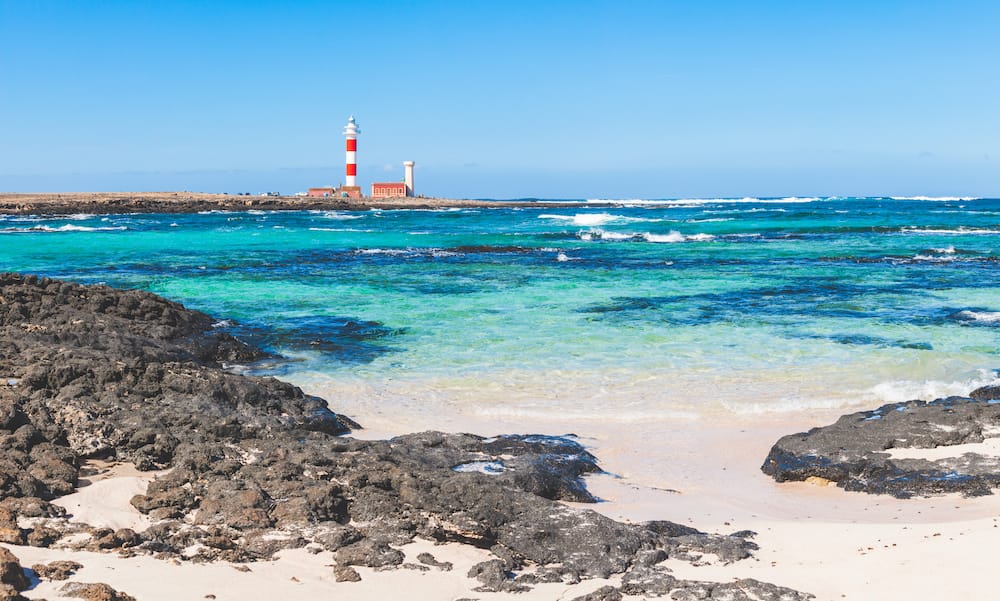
<point x="351" y="132"/>
<point x="408" y="177"/>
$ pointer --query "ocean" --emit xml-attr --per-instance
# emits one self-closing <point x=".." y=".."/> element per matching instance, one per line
<point x="629" y="311"/>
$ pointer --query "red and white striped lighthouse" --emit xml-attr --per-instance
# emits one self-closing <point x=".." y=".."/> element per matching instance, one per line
<point x="351" y="131"/>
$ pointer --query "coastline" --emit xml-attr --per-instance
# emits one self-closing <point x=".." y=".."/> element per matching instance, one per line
<point x="832" y="543"/>
<point x="813" y="537"/>
<point x="239" y="470"/>
<point x="99" y="203"/>
<point x="703" y="471"/>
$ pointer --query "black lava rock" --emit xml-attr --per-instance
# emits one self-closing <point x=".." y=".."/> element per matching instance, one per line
<point x="856" y="452"/>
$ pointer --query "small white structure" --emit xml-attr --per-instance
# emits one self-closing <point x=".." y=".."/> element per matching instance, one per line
<point x="408" y="176"/>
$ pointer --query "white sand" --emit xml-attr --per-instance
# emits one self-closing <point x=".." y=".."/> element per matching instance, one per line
<point x="814" y="538"/>
<point x="103" y="499"/>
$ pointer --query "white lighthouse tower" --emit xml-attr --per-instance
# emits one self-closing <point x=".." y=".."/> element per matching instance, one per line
<point x="408" y="177"/>
<point x="351" y="132"/>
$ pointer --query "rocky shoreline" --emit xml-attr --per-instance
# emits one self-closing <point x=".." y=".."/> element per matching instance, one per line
<point x="879" y="451"/>
<point x="254" y="466"/>
<point x="98" y="203"/>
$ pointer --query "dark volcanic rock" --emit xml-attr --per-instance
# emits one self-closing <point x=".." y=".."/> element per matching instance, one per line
<point x="855" y="452"/>
<point x="257" y="466"/>
<point x="428" y="559"/>
<point x="97" y="591"/>
<point x="85" y="364"/>
<point x="56" y="570"/>
<point x="11" y="571"/>
<point x="986" y="393"/>
<point x="346" y="574"/>
<point x="656" y="582"/>
<point x="605" y="593"/>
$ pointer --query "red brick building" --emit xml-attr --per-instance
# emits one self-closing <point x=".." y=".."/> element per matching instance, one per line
<point x="349" y="192"/>
<point x="389" y="190"/>
<point x="341" y="192"/>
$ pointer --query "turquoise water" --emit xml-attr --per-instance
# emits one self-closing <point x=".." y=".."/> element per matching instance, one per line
<point x="651" y="308"/>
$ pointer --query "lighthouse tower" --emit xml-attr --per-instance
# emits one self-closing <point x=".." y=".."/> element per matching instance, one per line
<point x="351" y="132"/>
<point x="408" y="177"/>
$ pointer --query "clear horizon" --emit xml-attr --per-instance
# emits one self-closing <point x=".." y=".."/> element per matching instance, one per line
<point x="559" y="100"/>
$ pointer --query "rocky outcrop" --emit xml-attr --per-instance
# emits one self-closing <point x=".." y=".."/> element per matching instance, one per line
<point x="56" y="570"/>
<point x="867" y="451"/>
<point x="257" y="466"/>
<point x="97" y="372"/>
<point x="97" y="591"/>
<point x="11" y="572"/>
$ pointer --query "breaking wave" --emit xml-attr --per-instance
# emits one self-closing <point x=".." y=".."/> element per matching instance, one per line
<point x="935" y="198"/>
<point x="595" y="219"/>
<point x="959" y="231"/>
<point x="702" y="201"/>
<point x="62" y="228"/>
<point x="672" y="237"/>
<point x="982" y="317"/>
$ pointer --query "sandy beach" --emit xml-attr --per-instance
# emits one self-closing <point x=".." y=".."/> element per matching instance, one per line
<point x="814" y="538"/>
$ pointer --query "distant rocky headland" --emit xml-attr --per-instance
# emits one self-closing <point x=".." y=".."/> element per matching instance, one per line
<point x="192" y="202"/>
<point x="253" y="465"/>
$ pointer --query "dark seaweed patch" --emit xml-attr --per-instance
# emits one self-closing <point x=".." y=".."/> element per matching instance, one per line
<point x="864" y="340"/>
<point x="343" y="339"/>
<point x="824" y="299"/>
<point x="486" y="248"/>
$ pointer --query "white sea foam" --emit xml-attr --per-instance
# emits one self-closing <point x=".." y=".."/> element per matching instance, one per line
<point x="979" y="316"/>
<point x="617" y="236"/>
<point x="336" y="215"/>
<point x="893" y="391"/>
<point x="583" y="218"/>
<point x="670" y="238"/>
<point x="941" y="255"/>
<point x="562" y="257"/>
<point x="702" y="201"/>
<point x="959" y="231"/>
<point x="935" y="258"/>
<point x="898" y="391"/>
<point x="384" y="251"/>
<point x="595" y="219"/>
<point x="337" y="229"/>
<point x="63" y="228"/>
<point x="935" y="198"/>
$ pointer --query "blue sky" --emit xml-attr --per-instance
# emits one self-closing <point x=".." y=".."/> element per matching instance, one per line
<point x="580" y="99"/>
